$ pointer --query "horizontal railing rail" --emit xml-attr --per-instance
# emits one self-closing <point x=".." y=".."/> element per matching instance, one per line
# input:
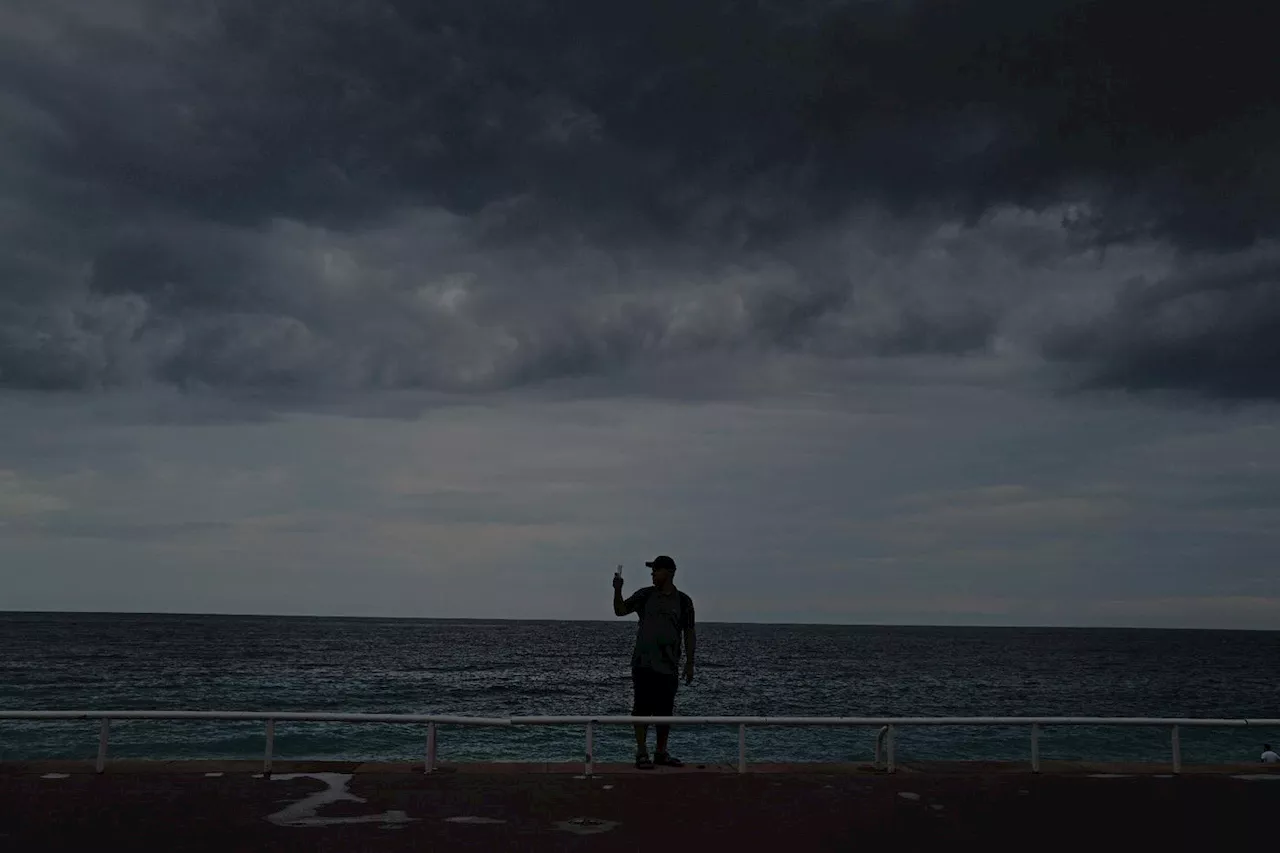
<point x="884" y="745"/>
<point x="293" y="716"/>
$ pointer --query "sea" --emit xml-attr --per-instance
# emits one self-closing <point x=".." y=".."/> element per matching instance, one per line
<point x="66" y="661"/>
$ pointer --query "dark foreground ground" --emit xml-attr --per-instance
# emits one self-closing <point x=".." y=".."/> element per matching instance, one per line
<point x="172" y="806"/>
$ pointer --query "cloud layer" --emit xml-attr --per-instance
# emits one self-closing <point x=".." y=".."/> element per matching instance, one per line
<point x="332" y="196"/>
<point x="940" y="503"/>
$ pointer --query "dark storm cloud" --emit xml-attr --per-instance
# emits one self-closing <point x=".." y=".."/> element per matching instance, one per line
<point x="1215" y="329"/>
<point x="456" y="195"/>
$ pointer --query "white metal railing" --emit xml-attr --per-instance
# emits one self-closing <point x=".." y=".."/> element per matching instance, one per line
<point x="884" y="746"/>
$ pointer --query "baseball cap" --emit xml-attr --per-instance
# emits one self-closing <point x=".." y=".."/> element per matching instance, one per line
<point x="662" y="562"/>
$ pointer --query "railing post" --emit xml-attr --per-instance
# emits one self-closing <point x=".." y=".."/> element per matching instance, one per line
<point x="591" y="730"/>
<point x="742" y="747"/>
<point x="431" y="748"/>
<point x="880" y="736"/>
<point x="271" y="743"/>
<point x="1177" y="750"/>
<point x="1035" y="747"/>
<point x="102" y="745"/>
<point x="888" y="747"/>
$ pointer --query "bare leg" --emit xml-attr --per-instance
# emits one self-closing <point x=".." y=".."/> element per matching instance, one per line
<point x="666" y="708"/>
<point x="642" y="732"/>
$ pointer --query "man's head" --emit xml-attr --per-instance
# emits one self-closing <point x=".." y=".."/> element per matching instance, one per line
<point x="1266" y="747"/>
<point x="664" y="568"/>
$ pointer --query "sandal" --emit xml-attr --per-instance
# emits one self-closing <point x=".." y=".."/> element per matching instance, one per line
<point x="643" y="762"/>
<point x="665" y="759"/>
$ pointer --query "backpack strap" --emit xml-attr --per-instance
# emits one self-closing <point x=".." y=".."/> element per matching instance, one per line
<point x="686" y="612"/>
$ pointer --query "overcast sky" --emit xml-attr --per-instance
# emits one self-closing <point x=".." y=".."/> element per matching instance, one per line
<point x="872" y="312"/>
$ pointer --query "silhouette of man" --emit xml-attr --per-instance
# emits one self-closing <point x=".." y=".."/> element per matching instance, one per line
<point x="666" y="625"/>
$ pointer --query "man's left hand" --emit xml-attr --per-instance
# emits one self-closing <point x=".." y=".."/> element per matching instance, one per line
<point x="688" y="672"/>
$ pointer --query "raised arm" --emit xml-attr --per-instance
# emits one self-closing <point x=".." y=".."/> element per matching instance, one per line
<point x="621" y="607"/>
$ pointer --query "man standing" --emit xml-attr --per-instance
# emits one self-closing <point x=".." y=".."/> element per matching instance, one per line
<point x="666" y="623"/>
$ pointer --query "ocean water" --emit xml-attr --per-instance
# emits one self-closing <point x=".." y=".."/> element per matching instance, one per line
<point x="251" y="663"/>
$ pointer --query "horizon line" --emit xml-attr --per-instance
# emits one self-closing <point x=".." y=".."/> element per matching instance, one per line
<point x="1115" y="627"/>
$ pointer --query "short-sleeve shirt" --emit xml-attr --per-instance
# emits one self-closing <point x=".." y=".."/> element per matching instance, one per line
<point x="663" y="621"/>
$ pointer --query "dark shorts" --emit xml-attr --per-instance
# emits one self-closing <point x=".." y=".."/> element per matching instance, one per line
<point x="655" y="693"/>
